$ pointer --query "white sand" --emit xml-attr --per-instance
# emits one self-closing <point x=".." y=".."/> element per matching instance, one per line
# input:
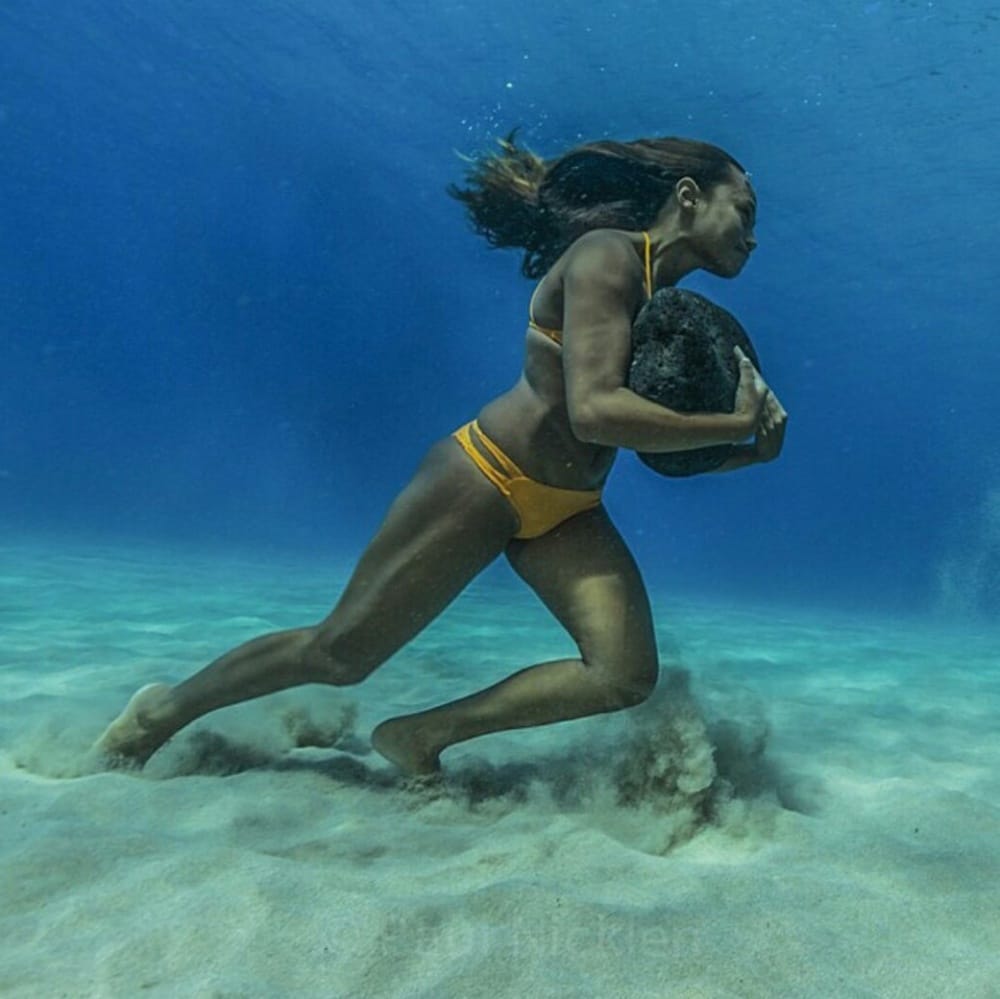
<point x="859" y="854"/>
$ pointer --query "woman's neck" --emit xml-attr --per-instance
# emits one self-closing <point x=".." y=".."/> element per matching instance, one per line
<point x="671" y="253"/>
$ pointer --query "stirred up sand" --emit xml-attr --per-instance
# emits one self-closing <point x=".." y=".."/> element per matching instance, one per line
<point x="809" y="807"/>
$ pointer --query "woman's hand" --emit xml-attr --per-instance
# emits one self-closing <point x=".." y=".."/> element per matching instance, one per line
<point x="754" y="400"/>
<point x="770" y="434"/>
<point x="751" y="395"/>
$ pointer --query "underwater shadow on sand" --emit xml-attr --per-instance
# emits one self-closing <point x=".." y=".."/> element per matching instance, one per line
<point x="672" y="760"/>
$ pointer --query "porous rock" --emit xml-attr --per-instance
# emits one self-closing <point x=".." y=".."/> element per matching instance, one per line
<point x="682" y="358"/>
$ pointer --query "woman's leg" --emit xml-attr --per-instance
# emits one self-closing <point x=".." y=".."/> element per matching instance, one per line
<point x="586" y="576"/>
<point x="444" y="528"/>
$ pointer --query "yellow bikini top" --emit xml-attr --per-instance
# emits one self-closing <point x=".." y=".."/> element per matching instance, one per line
<point x="556" y="335"/>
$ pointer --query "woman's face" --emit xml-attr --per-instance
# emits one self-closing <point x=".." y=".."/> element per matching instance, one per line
<point x="722" y="228"/>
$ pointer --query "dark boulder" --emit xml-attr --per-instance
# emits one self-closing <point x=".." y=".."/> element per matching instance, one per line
<point x="682" y="358"/>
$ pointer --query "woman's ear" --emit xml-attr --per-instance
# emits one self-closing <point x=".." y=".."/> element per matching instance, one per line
<point x="687" y="192"/>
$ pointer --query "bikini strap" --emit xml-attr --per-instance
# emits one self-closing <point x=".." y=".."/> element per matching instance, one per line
<point x="553" y="334"/>
<point x="649" y="265"/>
<point x="495" y="453"/>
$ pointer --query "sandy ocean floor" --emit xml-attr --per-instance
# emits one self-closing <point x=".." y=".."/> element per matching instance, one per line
<point x="809" y="807"/>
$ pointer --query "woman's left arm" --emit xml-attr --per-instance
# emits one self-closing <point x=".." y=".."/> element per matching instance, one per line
<point x="768" y="439"/>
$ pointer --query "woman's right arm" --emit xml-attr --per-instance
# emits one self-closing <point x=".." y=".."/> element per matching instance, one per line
<point x="602" y="290"/>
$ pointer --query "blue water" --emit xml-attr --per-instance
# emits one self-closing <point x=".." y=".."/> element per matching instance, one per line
<point x="236" y="304"/>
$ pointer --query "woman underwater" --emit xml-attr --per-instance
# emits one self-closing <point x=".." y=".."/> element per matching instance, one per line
<point x="603" y="226"/>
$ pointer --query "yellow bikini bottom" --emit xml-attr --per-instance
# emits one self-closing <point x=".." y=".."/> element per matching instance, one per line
<point x="539" y="507"/>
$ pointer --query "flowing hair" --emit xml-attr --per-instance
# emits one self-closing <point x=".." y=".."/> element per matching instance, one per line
<point x="516" y="199"/>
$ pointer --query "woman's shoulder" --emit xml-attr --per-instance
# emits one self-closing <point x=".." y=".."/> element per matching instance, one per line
<point x="603" y="251"/>
<point x="604" y="241"/>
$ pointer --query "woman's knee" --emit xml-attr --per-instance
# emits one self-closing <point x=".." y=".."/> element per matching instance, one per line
<point x="636" y="689"/>
<point x="630" y="684"/>
<point x="331" y="657"/>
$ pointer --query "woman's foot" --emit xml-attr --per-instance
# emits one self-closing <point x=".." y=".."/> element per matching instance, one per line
<point x="398" y="741"/>
<point x="139" y="730"/>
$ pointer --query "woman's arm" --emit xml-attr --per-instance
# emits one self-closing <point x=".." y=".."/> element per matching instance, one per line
<point x="602" y="290"/>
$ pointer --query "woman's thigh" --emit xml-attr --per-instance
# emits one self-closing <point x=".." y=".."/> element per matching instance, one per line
<point x="445" y="526"/>
<point x="585" y="575"/>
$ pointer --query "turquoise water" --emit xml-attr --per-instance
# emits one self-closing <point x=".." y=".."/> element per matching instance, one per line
<point x="849" y="814"/>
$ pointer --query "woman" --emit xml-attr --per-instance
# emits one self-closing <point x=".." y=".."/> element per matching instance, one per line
<point x="603" y="226"/>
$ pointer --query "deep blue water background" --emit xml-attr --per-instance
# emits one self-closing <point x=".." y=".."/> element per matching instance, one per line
<point x="236" y="304"/>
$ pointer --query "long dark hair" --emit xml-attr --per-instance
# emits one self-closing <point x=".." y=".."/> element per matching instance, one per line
<point x="516" y="199"/>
